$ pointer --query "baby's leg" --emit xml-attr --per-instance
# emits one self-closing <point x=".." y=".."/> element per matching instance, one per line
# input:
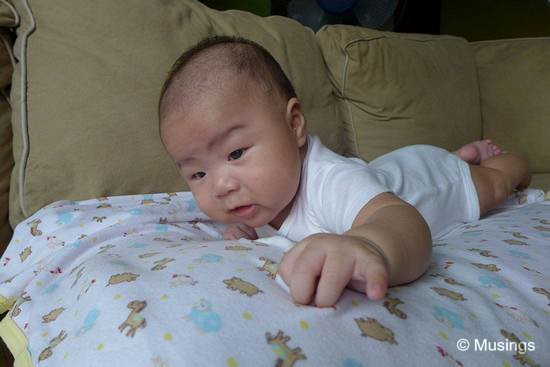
<point x="495" y="178"/>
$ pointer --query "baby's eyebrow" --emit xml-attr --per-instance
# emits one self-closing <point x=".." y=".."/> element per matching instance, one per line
<point x="224" y="134"/>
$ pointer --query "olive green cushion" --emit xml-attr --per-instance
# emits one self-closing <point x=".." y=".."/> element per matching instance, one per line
<point x="401" y="89"/>
<point x="514" y="84"/>
<point x="95" y="70"/>
<point x="541" y="181"/>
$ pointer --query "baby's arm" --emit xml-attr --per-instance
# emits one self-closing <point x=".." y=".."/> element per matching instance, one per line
<point x="400" y="232"/>
<point x="236" y="231"/>
<point x="389" y="244"/>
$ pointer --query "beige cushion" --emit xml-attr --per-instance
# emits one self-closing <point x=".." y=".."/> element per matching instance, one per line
<point x="6" y="157"/>
<point x="95" y="69"/>
<point x="8" y="15"/>
<point x="401" y="89"/>
<point x="514" y="79"/>
<point x="541" y="181"/>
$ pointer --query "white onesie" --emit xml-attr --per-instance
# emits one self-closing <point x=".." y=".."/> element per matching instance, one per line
<point x="333" y="189"/>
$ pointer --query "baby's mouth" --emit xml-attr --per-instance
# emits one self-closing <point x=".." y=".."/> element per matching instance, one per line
<point x="245" y="211"/>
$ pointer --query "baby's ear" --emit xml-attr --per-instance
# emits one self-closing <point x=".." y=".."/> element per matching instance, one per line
<point x="296" y="120"/>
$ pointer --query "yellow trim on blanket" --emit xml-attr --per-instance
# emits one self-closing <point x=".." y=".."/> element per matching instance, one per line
<point x="6" y="303"/>
<point x="16" y="342"/>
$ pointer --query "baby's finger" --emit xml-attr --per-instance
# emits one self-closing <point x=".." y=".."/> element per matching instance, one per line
<point x="305" y="272"/>
<point x="336" y="274"/>
<point x="374" y="271"/>
<point x="248" y="231"/>
<point x="252" y="235"/>
<point x="229" y="234"/>
<point x="377" y="286"/>
<point x="287" y="262"/>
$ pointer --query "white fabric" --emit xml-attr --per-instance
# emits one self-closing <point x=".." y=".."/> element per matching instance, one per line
<point x="333" y="189"/>
<point x="146" y="281"/>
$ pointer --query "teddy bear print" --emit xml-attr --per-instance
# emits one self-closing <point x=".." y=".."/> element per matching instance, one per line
<point x="104" y="249"/>
<point x="244" y="287"/>
<point x="123" y="277"/>
<point x="23" y="255"/>
<point x="148" y="254"/>
<point x="513" y="242"/>
<point x="237" y="248"/>
<point x="449" y="294"/>
<point x="519" y="235"/>
<point x="370" y="327"/>
<point x="542" y="228"/>
<point x="52" y="315"/>
<point x="447" y="280"/>
<point x="542" y="291"/>
<point x="161" y="264"/>
<point x="490" y="267"/>
<point x="485" y="253"/>
<point x="521" y="356"/>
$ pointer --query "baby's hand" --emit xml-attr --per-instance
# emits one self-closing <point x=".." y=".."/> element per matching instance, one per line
<point x="323" y="264"/>
<point x="236" y="231"/>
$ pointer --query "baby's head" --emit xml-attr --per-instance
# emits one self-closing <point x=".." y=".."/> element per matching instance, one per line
<point x="230" y="120"/>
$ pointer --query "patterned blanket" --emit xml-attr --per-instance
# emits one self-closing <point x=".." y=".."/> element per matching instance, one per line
<point x="146" y="280"/>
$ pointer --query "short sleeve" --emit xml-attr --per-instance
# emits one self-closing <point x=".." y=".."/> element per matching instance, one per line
<point x="344" y="190"/>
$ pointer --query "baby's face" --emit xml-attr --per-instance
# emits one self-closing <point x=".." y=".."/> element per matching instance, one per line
<point x="240" y="151"/>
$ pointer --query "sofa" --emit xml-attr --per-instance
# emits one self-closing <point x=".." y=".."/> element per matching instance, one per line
<point x="79" y="129"/>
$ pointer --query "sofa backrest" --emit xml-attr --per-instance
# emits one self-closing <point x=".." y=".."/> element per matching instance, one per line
<point x="86" y="85"/>
<point x="514" y="85"/>
<point x="90" y="76"/>
<point x="401" y="89"/>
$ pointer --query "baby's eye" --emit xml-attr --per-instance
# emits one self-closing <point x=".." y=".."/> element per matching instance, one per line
<point x="198" y="175"/>
<point x="236" y="154"/>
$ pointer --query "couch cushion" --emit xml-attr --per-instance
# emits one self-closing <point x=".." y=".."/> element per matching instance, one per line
<point x="401" y="89"/>
<point x="514" y="80"/>
<point x="541" y="181"/>
<point x="94" y="73"/>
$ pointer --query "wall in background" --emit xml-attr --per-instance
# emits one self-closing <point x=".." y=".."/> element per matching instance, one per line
<point x="478" y="20"/>
<point x="259" y="7"/>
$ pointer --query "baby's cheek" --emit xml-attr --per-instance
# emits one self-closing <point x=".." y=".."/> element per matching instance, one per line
<point x="203" y="203"/>
<point x="212" y="211"/>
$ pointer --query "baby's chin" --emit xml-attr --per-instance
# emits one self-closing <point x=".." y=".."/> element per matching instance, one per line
<point x="254" y="223"/>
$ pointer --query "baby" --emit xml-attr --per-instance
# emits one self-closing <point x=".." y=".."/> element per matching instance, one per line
<point x="232" y="123"/>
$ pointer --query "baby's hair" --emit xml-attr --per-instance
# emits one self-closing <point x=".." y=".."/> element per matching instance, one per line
<point x="239" y="54"/>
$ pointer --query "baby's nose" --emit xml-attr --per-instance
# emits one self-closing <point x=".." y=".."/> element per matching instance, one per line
<point x="225" y="184"/>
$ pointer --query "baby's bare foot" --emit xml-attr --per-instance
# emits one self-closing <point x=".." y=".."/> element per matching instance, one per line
<point x="478" y="151"/>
